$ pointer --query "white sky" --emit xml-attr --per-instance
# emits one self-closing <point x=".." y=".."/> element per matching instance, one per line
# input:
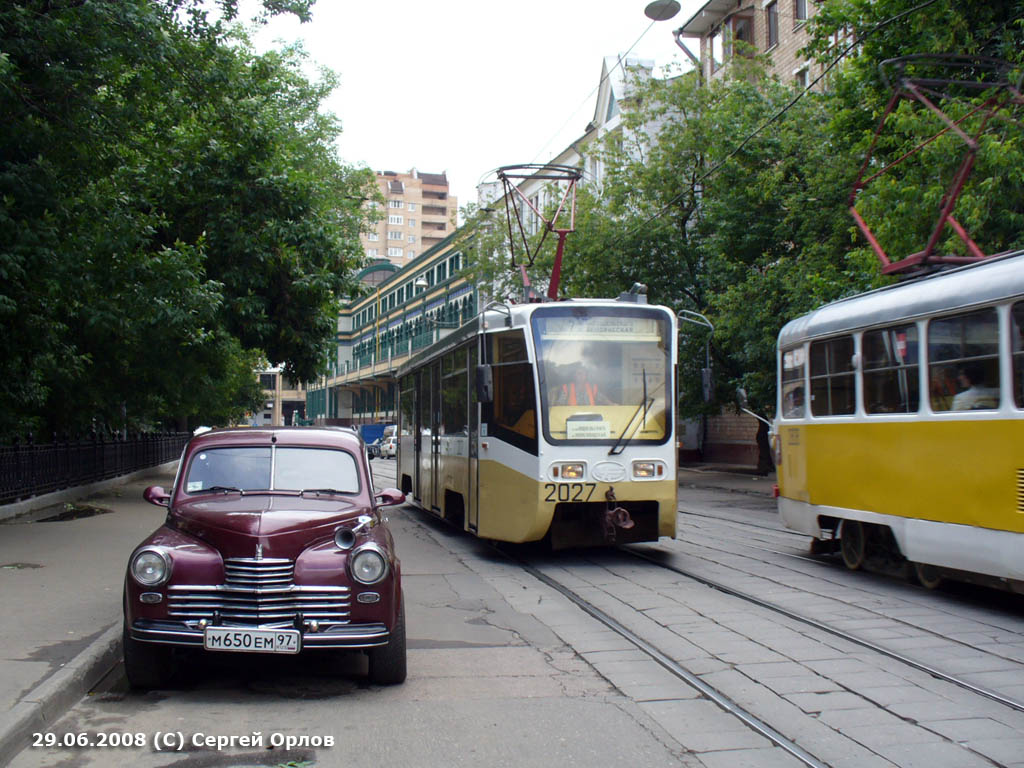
<point x="466" y="86"/>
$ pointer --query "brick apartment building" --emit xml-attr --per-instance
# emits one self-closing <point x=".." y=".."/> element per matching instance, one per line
<point x="775" y="27"/>
<point x="418" y="214"/>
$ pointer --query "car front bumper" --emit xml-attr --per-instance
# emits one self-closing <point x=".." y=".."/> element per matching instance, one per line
<point x="189" y="634"/>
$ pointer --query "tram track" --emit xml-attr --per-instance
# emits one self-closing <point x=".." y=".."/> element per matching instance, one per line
<point x="835" y="631"/>
<point x="671" y="666"/>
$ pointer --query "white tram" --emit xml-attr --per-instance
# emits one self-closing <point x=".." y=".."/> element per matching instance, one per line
<point x="911" y="441"/>
<point x="546" y="420"/>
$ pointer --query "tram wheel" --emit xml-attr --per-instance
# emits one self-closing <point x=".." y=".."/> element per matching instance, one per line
<point x="852" y="543"/>
<point x="929" y="576"/>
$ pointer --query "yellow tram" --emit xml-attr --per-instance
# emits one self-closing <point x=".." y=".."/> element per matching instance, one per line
<point x="546" y="421"/>
<point x="900" y="426"/>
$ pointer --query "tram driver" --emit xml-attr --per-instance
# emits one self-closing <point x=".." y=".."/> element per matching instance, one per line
<point x="580" y="390"/>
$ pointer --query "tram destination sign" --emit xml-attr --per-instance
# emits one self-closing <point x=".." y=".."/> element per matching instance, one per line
<point x="604" y="328"/>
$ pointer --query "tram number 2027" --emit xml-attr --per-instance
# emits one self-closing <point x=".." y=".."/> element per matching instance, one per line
<point x="569" y="491"/>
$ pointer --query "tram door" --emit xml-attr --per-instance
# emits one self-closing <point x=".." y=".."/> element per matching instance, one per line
<point x="473" y="500"/>
<point x="428" y="418"/>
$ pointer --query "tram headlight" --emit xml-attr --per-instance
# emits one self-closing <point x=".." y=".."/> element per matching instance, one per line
<point x="573" y="471"/>
<point x="645" y="470"/>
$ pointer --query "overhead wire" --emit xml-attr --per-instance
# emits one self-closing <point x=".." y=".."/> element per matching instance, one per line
<point x="621" y="58"/>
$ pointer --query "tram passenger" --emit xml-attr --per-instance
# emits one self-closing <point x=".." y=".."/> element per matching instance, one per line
<point x="973" y="396"/>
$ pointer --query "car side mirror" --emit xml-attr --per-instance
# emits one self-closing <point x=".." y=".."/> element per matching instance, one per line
<point x="155" y="494"/>
<point x="389" y="497"/>
<point x="484" y="384"/>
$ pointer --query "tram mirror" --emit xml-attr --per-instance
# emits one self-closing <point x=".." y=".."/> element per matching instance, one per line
<point x="741" y="398"/>
<point x="484" y="384"/>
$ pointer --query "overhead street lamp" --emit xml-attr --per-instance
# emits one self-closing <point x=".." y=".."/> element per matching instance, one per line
<point x="663" y="10"/>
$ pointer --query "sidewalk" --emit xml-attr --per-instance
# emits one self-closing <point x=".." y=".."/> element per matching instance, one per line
<point x="727" y="477"/>
<point x="61" y="585"/>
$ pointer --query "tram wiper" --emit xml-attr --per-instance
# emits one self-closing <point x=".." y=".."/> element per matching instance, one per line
<point x="623" y="441"/>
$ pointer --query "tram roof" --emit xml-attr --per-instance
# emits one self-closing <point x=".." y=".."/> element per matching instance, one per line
<point x="977" y="284"/>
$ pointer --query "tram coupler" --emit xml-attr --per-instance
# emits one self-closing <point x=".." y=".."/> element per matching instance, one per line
<point x="614" y="516"/>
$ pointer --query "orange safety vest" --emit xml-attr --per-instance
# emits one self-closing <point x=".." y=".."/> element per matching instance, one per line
<point x="569" y="390"/>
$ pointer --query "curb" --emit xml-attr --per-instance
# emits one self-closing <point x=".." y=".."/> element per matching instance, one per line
<point x="40" y="708"/>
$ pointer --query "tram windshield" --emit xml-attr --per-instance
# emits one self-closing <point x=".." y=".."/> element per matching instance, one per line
<point x="603" y="373"/>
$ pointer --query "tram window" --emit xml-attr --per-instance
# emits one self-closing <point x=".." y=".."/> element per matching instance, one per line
<point x="512" y="416"/>
<point x="891" y="370"/>
<point x="407" y="404"/>
<point x="1017" y="350"/>
<point x="963" y="354"/>
<point x="793" y="399"/>
<point x="832" y="377"/>
<point x="454" y="394"/>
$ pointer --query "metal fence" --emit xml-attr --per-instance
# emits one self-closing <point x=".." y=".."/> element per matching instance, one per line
<point x="30" y="469"/>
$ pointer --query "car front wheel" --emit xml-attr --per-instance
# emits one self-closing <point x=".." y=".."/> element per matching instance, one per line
<point x="146" y="665"/>
<point x="387" y="664"/>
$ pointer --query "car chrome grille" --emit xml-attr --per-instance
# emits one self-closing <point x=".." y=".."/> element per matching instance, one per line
<point x="247" y="572"/>
<point x="259" y="592"/>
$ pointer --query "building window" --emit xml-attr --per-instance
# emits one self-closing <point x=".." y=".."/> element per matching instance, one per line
<point x="395" y="220"/>
<point x="412" y="206"/>
<point x="412" y="222"/>
<point x="772" y="18"/>
<point x="743" y="31"/>
<point x="373" y="237"/>
<point x="268" y="380"/>
<point x="411" y="238"/>
<point x="717" y="50"/>
<point x="799" y="12"/>
<point x="394" y="253"/>
<point x="371" y="252"/>
<point x="395" y="204"/>
<point x="411" y="254"/>
<point x="800" y="79"/>
<point x="393" y="235"/>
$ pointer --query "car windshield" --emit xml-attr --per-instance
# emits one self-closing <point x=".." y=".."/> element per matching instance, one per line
<point x="245" y="469"/>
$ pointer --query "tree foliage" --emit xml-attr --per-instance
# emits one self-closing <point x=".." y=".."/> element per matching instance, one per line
<point x="173" y="213"/>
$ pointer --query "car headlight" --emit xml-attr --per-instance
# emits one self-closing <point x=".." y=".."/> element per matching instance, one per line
<point x="368" y="565"/>
<point x="151" y="567"/>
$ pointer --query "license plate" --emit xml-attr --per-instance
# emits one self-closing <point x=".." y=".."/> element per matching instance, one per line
<point x="252" y="640"/>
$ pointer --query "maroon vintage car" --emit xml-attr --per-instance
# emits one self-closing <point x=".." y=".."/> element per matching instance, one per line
<point x="274" y="542"/>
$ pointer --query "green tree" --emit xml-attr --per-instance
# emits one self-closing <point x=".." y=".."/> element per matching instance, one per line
<point x="902" y="207"/>
<point x="726" y="199"/>
<point x="172" y="213"/>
